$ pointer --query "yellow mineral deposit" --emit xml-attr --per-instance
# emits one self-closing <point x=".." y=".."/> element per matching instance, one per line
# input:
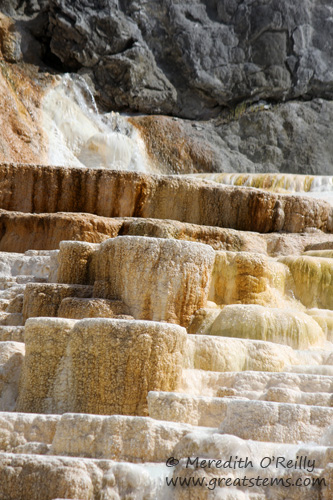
<point x="249" y="278"/>
<point x="314" y="186"/>
<point x="313" y="278"/>
<point x="283" y="326"/>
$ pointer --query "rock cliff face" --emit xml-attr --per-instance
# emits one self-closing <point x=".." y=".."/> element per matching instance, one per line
<point x="253" y="78"/>
<point x="189" y="58"/>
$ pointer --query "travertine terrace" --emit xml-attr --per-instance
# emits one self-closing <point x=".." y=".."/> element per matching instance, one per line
<point x="166" y="250"/>
<point x="137" y="326"/>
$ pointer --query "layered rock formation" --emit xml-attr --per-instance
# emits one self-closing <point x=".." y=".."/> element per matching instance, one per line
<point x="159" y="332"/>
<point x="125" y="194"/>
<point x="254" y="367"/>
<point x="251" y="376"/>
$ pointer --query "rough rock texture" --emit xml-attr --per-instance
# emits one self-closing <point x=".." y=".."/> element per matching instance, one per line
<point x="116" y="437"/>
<point x="281" y="422"/>
<point x="125" y="438"/>
<point x="92" y="308"/>
<point x="127" y="194"/>
<point x="29" y="477"/>
<point x="225" y="239"/>
<point x="11" y="333"/>
<point x="11" y="361"/>
<point x="21" y="232"/>
<point x="46" y="341"/>
<point x="56" y="477"/>
<point x="69" y="363"/>
<point x="101" y="366"/>
<point x="293" y="137"/>
<point x="249" y="84"/>
<point x="81" y="253"/>
<point x="212" y="54"/>
<point x="298" y="388"/>
<point x="236" y="61"/>
<point x="225" y="354"/>
<point x="21" y="88"/>
<point x="27" y="433"/>
<point x="194" y="410"/>
<point x="137" y="271"/>
<point x="45" y="299"/>
<point x="248" y="278"/>
<point x="32" y="263"/>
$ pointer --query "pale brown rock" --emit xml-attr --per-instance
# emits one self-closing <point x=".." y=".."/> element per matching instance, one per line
<point x="279" y="422"/>
<point x="46" y="340"/>
<point x="218" y="238"/>
<point x="16" y="304"/>
<point x="75" y="262"/>
<point x="117" y="437"/>
<point x="299" y="388"/>
<point x="14" y="333"/>
<point x="45" y="299"/>
<point x="158" y="279"/>
<point x="173" y="147"/>
<point x="23" y="231"/>
<point x="21" y="88"/>
<point x="223" y="354"/>
<point x="31" y="477"/>
<point x="101" y="366"/>
<point x="24" y="477"/>
<point x="92" y="308"/>
<point x="293" y="244"/>
<point x="194" y="410"/>
<point x="135" y="358"/>
<point x="11" y="319"/>
<point x="323" y="245"/>
<point x="224" y="238"/>
<point x="128" y="194"/>
<point x="11" y="361"/>
<point x="212" y="411"/>
<point x="27" y="433"/>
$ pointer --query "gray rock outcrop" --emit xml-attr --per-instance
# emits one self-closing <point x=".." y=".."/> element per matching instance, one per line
<point x="190" y="58"/>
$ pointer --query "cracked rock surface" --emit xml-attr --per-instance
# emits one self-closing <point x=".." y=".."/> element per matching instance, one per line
<point x="189" y="58"/>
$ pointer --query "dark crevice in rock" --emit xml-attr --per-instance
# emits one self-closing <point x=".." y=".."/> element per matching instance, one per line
<point x="53" y="62"/>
